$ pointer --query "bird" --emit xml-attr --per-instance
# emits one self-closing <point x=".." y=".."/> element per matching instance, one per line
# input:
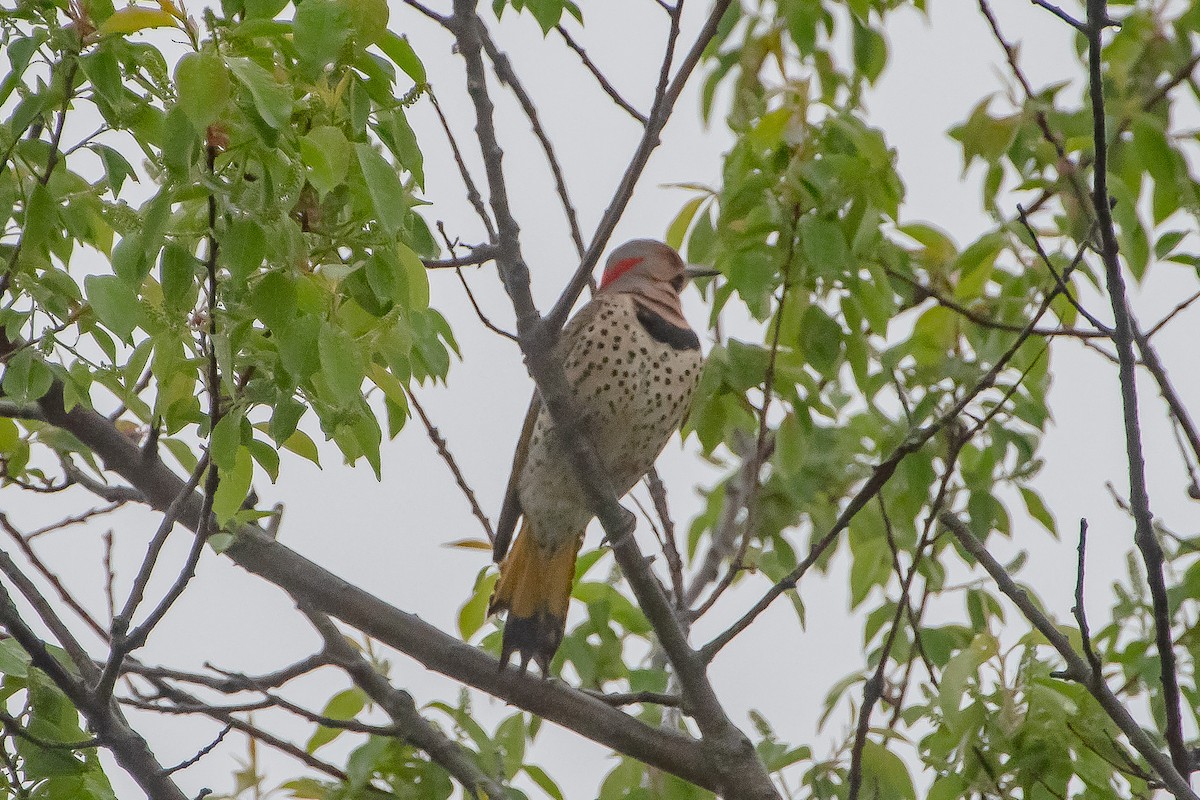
<point x="632" y="364"/>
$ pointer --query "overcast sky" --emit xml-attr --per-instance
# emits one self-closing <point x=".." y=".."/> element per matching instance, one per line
<point x="388" y="537"/>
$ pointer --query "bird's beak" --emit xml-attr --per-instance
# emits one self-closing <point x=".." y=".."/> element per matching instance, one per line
<point x="700" y="272"/>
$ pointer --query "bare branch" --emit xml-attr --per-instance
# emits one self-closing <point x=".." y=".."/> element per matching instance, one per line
<point x="660" y="112"/>
<point x="473" y="196"/>
<point x="440" y="443"/>
<point x="480" y="254"/>
<point x="232" y="682"/>
<point x="1064" y="16"/>
<point x="1123" y="339"/>
<point x="208" y="748"/>
<point x="608" y="88"/>
<point x="110" y="726"/>
<point x="658" y="496"/>
<point x="23" y="544"/>
<point x="508" y="77"/>
<point x="635" y="698"/>
<point x="399" y="705"/>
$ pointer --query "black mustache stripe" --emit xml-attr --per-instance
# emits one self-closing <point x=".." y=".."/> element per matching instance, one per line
<point x="678" y="338"/>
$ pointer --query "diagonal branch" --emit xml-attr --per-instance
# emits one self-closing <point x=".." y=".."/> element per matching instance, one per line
<point x="108" y="723"/>
<point x="664" y="102"/>
<point x="508" y="76"/>
<point x="256" y="552"/>
<point x="600" y="77"/>
<point x="1077" y="668"/>
<point x="399" y="705"/>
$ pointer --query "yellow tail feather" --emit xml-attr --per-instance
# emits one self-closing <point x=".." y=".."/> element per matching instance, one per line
<point x="535" y="589"/>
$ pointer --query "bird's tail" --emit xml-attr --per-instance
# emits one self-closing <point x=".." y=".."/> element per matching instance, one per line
<point x="535" y="589"/>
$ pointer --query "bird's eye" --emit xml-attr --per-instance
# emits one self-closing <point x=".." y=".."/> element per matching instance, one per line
<point x="677" y="282"/>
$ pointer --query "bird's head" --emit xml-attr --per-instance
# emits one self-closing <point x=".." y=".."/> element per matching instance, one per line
<point x="653" y="273"/>
<point x="643" y="265"/>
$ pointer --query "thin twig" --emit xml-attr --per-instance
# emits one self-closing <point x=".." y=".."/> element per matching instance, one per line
<point x="399" y="705"/>
<point x="439" y="442"/>
<point x="1079" y="611"/>
<point x="480" y="254"/>
<point x="1158" y="326"/>
<point x="508" y="76"/>
<point x="608" y="88"/>
<point x="473" y="195"/>
<point x="75" y="520"/>
<point x="658" y="496"/>
<point x="1064" y="16"/>
<point x="749" y="499"/>
<point x="208" y="748"/>
<point x="26" y="548"/>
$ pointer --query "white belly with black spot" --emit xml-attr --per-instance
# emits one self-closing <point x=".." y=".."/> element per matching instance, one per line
<point x="632" y="391"/>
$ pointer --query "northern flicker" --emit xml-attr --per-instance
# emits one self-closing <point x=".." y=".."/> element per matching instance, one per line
<point x="632" y="363"/>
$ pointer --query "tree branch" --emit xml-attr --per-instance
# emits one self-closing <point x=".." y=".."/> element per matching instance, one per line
<point x="1123" y="339"/>
<point x="399" y="705"/>
<point x="659" y="114"/>
<point x="1077" y="668"/>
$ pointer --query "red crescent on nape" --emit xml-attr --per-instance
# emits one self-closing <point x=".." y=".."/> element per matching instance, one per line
<point x="618" y="269"/>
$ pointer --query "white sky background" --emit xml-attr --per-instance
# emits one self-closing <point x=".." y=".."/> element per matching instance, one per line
<point x="388" y="537"/>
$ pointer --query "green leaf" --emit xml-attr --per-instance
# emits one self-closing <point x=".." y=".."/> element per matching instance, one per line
<point x="474" y="612"/>
<point x="180" y="140"/>
<point x="1037" y="509"/>
<point x="1153" y="149"/>
<point x="383" y="186"/>
<point x="679" y="226"/>
<point x="415" y="275"/>
<point x="115" y="303"/>
<point x="10" y="435"/>
<point x="824" y="246"/>
<point x="341" y="364"/>
<point x="870" y="52"/>
<point x="958" y="671"/>
<point x="225" y="440"/>
<point x="177" y="270"/>
<point x="26" y="376"/>
<point x="544" y="781"/>
<point x="243" y="249"/>
<point x="233" y="487"/>
<point x="886" y="773"/>
<point x="302" y="445"/>
<point x="403" y="143"/>
<point x="326" y="153"/>
<point x="402" y="55"/>
<point x="820" y="340"/>
<point x="369" y="20"/>
<point x="13" y="659"/>
<point x="274" y="299"/>
<point x="272" y="101"/>
<point x="321" y="28"/>
<point x="116" y="167"/>
<point x="344" y="705"/>
<point x="133" y="19"/>
<point x="203" y="86"/>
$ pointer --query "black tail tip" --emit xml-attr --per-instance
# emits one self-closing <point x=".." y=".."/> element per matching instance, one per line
<point x="533" y="638"/>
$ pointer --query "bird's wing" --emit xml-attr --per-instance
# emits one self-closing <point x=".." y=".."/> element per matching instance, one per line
<point x="510" y="512"/>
